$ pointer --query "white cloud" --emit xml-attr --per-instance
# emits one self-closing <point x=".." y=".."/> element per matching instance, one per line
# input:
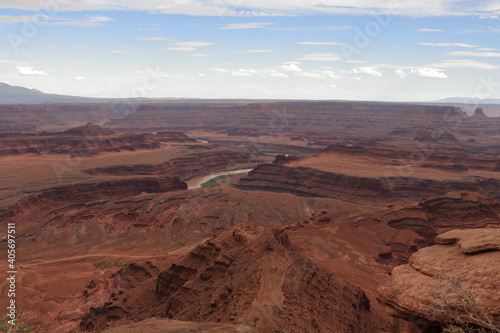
<point x="464" y="64"/>
<point x="258" y="51"/>
<point x="253" y="25"/>
<point x="16" y="62"/>
<point x="321" y="43"/>
<point x="291" y="67"/>
<point x="486" y="49"/>
<point x="430" y="73"/>
<point x="197" y="55"/>
<point x="202" y="74"/>
<point x="368" y="71"/>
<point x="490" y="15"/>
<point x="321" y="28"/>
<point x="245" y="72"/>
<point x="79" y="78"/>
<point x="29" y="71"/>
<point x="157" y="38"/>
<point x="277" y="74"/>
<point x="321" y="57"/>
<point x="285" y="70"/>
<point x="400" y="72"/>
<point x="193" y="44"/>
<point x="93" y="21"/>
<point x="429" y="30"/>
<point x="447" y="44"/>
<point x="182" y="49"/>
<point x="319" y="74"/>
<point x="220" y="70"/>
<point x="474" y="54"/>
<point x="5" y="19"/>
<point x="188" y="47"/>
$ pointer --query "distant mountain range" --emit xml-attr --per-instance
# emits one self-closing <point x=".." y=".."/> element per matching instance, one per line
<point x="16" y="95"/>
<point x="470" y="100"/>
<point x="21" y="95"/>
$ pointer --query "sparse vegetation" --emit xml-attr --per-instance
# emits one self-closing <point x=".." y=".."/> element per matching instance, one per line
<point x="21" y="323"/>
<point x="460" y="307"/>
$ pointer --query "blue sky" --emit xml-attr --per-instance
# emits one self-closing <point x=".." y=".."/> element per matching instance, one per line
<point x="316" y="49"/>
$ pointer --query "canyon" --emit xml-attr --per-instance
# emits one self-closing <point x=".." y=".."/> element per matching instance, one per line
<point x="335" y="226"/>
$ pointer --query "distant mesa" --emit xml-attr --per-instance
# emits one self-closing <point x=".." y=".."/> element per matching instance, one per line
<point x="435" y="135"/>
<point x="285" y="158"/>
<point x="86" y="140"/>
<point x="89" y="129"/>
<point x="425" y="134"/>
<point x="173" y="136"/>
<point x="479" y="113"/>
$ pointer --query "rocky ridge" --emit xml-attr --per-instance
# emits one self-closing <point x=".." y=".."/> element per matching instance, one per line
<point x="87" y="140"/>
<point x="244" y="275"/>
<point x="309" y="182"/>
<point x="186" y="167"/>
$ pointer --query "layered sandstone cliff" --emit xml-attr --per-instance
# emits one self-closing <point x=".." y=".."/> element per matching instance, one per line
<point x="89" y="192"/>
<point x="431" y="155"/>
<point x="87" y="140"/>
<point x="304" y="181"/>
<point x="186" y="167"/>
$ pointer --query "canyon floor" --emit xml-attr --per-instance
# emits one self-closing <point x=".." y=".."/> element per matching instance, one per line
<point x="116" y="230"/>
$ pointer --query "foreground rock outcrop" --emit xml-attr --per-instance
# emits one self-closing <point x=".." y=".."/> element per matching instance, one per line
<point x="454" y="281"/>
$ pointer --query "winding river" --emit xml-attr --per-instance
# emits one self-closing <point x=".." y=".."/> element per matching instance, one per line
<point x="196" y="182"/>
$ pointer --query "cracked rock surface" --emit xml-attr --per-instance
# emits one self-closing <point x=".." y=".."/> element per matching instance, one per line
<point x="463" y="267"/>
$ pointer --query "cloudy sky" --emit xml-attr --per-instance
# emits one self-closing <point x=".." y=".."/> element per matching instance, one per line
<point x="404" y="50"/>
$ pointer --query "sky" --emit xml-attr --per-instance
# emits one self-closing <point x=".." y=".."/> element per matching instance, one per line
<point x="377" y="50"/>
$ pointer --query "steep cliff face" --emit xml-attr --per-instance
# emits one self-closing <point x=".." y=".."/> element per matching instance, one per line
<point x="304" y="181"/>
<point x="90" y="192"/>
<point x="436" y="215"/>
<point x="434" y="155"/>
<point x="243" y="275"/>
<point x="269" y="118"/>
<point x="190" y="166"/>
